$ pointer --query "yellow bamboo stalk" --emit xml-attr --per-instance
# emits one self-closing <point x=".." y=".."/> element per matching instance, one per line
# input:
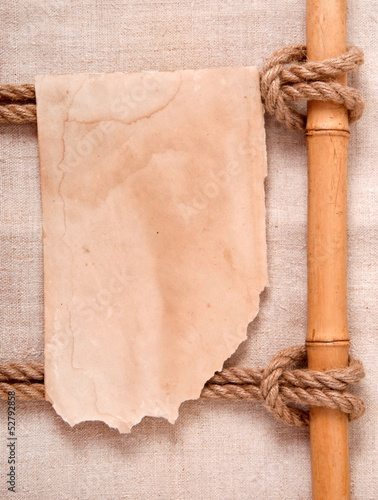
<point x="327" y="342"/>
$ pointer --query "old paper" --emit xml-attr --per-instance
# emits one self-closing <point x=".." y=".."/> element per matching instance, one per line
<point x="154" y="235"/>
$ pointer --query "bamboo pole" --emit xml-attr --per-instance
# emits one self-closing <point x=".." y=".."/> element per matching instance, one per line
<point x="327" y="342"/>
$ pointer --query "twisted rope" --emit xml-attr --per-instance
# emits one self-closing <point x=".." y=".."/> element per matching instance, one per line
<point x="17" y="93"/>
<point x="17" y="104"/>
<point x="21" y="372"/>
<point x="18" y="113"/>
<point x="25" y="379"/>
<point x="310" y="81"/>
<point x="23" y="391"/>
<point x="279" y="386"/>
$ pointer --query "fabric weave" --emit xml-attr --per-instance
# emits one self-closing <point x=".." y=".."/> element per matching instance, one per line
<point x="216" y="450"/>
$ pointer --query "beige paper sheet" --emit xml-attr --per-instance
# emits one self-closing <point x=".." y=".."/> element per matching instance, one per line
<point x="154" y="235"/>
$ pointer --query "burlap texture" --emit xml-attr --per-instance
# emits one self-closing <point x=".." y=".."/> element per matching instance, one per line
<point x="215" y="451"/>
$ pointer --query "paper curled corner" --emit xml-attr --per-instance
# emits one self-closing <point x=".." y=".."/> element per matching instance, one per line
<point x="154" y="235"/>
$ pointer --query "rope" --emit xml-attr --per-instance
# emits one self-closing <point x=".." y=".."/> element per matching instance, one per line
<point x="280" y="386"/>
<point x="18" y="113"/>
<point x="17" y="104"/>
<point x="23" y="391"/>
<point x="25" y="379"/>
<point x="287" y="77"/>
<point x="309" y="81"/>
<point x="21" y="372"/>
<point x="17" y="93"/>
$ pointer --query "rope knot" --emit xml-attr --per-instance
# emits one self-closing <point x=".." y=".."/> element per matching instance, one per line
<point x="271" y="385"/>
<point x="284" y="384"/>
<point x="288" y="77"/>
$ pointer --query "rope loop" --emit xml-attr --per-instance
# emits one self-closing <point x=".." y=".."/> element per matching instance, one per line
<point x="288" y="77"/>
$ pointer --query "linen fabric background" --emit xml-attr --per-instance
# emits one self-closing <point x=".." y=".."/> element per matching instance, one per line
<point x="216" y="450"/>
